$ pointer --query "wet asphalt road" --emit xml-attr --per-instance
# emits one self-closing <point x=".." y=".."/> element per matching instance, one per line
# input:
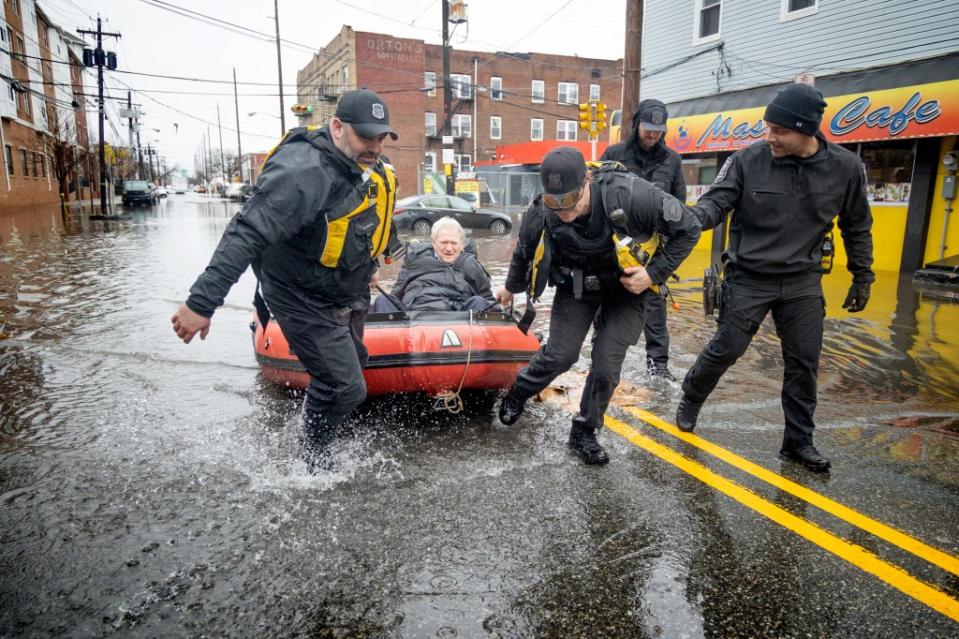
<point x="149" y="488"/>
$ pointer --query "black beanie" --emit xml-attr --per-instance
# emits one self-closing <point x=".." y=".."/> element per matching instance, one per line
<point x="798" y="107"/>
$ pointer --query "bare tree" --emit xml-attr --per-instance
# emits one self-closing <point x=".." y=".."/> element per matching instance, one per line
<point x="65" y="156"/>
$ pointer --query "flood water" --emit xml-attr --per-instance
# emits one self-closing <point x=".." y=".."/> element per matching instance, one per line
<point x="152" y="488"/>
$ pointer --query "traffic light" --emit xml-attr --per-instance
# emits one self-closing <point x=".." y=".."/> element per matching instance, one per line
<point x="585" y="116"/>
<point x="302" y="109"/>
<point x="600" y="116"/>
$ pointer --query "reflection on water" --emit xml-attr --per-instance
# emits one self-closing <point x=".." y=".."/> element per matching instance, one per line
<point x="144" y="482"/>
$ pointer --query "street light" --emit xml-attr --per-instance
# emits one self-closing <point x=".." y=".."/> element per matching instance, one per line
<point x="252" y="113"/>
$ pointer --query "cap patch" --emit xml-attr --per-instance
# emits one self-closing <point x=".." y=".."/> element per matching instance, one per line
<point x="378" y="111"/>
<point x="555" y="181"/>
<point x="657" y="117"/>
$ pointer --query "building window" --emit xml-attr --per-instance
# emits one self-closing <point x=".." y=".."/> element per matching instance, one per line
<point x="707" y="20"/>
<point x="346" y="77"/>
<point x="8" y="157"/>
<point x="429" y="83"/>
<point x="464" y="163"/>
<point x="16" y="6"/>
<point x="23" y="163"/>
<point x="461" y="86"/>
<point x="889" y="167"/>
<point x="792" y="9"/>
<point x="430" y="124"/>
<point x="566" y="130"/>
<point x="536" y="129"/>
<point x="496" y="88"/>
<point x="13" y="95"/>
<point x="539" y="92"/>
<point x="43" y="165"/>
<point x="462" y="126"/>
<point x="495" y="127"/>
<point x="36" y="163"/>
<point x="568" y="93"/>
<point x="594" y="92"/>
<point x="429" y="162"/>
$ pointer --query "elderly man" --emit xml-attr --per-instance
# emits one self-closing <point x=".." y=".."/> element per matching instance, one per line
<point x="320" y="215"/>
<point x="443" y="276"/>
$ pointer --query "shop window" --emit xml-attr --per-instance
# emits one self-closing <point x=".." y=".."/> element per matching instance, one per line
<point x="8" y="158"/>
<point x="699" y="174"/>
<point x="889" y="169"/>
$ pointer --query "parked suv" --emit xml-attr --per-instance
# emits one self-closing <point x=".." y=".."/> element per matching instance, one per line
<point x="138" y="192"/>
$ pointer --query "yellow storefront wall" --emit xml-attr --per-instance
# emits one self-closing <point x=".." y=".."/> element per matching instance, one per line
<point x="938" y="214"/>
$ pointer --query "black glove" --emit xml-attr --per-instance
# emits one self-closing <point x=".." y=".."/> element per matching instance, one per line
<point x="857" y="298"/>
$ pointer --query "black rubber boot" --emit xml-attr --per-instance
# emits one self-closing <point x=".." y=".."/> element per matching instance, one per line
<point x="659" y="370"/>
<point x="807" y="455"/>
<point x="582" y="439"/>
<point x="318" y="437"/>
<point x="511" y="408"/>
<point x="686" y="414"/>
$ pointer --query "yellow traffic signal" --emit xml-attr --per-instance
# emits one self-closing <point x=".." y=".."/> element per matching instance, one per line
<point x="302" y="109"/>
<point x="585" y="116"/>
<point x="600" y="116"/>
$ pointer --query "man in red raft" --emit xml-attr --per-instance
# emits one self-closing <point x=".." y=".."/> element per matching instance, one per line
<point x="445" y="275"/>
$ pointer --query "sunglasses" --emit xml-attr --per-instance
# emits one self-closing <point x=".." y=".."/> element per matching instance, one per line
<point x="563" y="201"/>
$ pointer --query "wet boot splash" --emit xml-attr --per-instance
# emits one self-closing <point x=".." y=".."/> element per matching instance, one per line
<point x="582" y="439"/>
<point x="318" y="437"/>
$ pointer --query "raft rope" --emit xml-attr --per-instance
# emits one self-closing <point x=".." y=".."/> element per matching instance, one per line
<point x="451" y="400"/>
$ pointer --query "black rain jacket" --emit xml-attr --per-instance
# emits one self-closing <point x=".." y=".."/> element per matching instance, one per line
<point x="660" y="165"/>
<point x="783" y="208"/>
<point x="427" y="282"/>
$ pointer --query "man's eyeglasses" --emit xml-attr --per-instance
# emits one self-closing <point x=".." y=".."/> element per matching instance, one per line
<point x="562" y="201"/>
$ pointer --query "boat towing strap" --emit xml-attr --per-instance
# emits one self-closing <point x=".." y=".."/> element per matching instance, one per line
<point x="262" y="310"/>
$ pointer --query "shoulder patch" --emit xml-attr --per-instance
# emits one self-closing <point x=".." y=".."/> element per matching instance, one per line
<point x="723" y="171"/>
<point x="672" y="209"/>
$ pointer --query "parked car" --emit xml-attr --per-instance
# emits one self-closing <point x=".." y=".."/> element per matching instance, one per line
<point x="180" y="190"/>
<point x="239" y="192"/>
<point x="137" y="192"/>
<point x="418" y="212"/>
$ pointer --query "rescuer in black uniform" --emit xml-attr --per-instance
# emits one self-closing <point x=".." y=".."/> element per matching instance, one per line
<point x="645" y="153"/>
<point x="567" y="239"/>
<point x="784" y="193"/>
<point x="319" y="217"/>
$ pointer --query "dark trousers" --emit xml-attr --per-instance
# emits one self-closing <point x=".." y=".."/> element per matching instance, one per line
<point x="798" y="308"/>
<point x="328" y="340"/>
<point x="617" y="321"/>
<point x="657" y="336"/>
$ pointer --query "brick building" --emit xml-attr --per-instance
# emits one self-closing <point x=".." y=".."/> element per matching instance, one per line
<point x="498" y="98"/>
<point x="40" y="82"/>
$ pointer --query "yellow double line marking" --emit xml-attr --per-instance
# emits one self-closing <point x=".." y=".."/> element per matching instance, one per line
<point x="853" y="553"/>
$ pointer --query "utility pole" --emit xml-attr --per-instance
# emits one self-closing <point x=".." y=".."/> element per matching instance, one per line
<point x="139" y="155"/>
<point x="98" y="59"/>
<point x="209" y="153"/>
<point x="222" y="157"/>
<point x="130" y="120"/>
<point x="150" y="162"/>
<point x="448" y="168"/>
<point x="239" y="145"/>
<point x="279" y="64"/>
<point x="632" y="63"/>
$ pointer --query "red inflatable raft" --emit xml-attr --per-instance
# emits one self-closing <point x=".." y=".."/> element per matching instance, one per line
<point x="427" y="351"/>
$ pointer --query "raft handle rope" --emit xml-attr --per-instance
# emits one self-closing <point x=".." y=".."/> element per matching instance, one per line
<point x="450" y="400"/>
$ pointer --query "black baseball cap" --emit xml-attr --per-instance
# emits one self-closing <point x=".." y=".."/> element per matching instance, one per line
<point x="652" y="115"/>
<point x="366" y="112"/>
<point x="563" y="170"/>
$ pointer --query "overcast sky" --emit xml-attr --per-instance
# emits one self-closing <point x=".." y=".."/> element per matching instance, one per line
<point x="157" y="40"/>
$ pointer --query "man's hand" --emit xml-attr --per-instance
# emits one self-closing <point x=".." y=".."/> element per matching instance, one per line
<point x="504" y="297"/>
<point x="635" y="279"/>
<point x="857" y="298"/>
<point x="186" y="324"/>
<point x="375" y="280"/>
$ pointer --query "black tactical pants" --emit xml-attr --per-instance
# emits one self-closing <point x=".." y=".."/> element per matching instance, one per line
<point x="618" y="322"/>
<point x="328" y="340"/>
<point x="798" y="308"/>
<point x="657" y="336"/>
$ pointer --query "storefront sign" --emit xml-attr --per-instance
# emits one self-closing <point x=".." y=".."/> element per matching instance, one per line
<point x="907" y="112"/>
